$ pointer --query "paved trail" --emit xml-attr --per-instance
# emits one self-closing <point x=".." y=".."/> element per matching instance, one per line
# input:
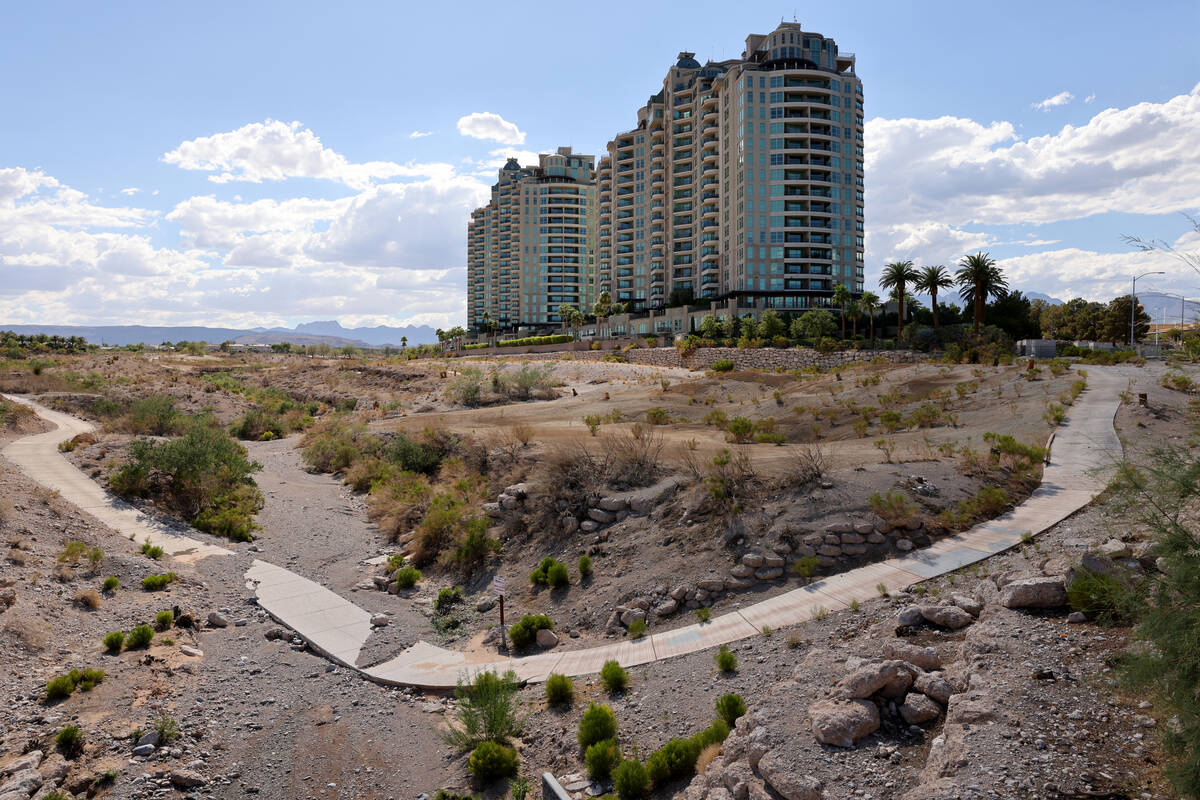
<point x="1083" y="446"/>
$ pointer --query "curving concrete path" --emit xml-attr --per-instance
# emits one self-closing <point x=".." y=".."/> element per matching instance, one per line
<point x="1083" y="446"/>
<point x="38" y="457"/>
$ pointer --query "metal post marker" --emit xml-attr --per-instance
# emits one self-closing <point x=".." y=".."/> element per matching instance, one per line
<point x="498" y="585"/>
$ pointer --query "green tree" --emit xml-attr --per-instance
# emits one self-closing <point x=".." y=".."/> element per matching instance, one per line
<point x="1114" y="325"/>
<point x="770" y="326"/>
<point x="841" y="296"/>
<point x="565" y="313"/>
<point x="814" y="324"/>
<point x="854" y="309"/>
<point x="870" y="305"/>
<point x="930" y="281"/>
<point x="979" y="278"/>
<point x="896" y="276"/>
<point x="710" y="328"/>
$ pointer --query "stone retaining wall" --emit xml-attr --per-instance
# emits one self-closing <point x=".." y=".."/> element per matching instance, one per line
<point x="764" y="358"/>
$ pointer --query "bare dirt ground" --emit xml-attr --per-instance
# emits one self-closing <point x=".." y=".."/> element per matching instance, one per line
<point x="263" y="716"/>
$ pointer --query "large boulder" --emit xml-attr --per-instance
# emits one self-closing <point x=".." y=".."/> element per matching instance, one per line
<point x="789" y="778"/>
<point x="27" y="781"/>
<point x="546" y="638"/>
<point x="893" y="676"/>
<point x="842" y="722"/>
<point x="918" y="708"/>
<point x="923" y="657"/>
<point x="951" y="617"/>
<point x="933" y="687"/>
<point x="30" y="760"/>
<point x="1034" y="593"/>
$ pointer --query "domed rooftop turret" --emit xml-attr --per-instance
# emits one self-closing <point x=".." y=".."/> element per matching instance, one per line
<point x="687" y="61"/>
<point x="512" y="164"/>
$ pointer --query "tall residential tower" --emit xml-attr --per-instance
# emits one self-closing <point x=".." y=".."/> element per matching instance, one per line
<point x="530" y="249"/>
<point x="743" y="180"/>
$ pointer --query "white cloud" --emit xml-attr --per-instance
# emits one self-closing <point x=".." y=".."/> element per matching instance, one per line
<point x="486" y="125"/>
<point x="420" y="134"/>
<point x="274" y="150"/>
<point x="1091" y="98"/>
<point x="132" y="190"/>
<point x="1060" y="99"/>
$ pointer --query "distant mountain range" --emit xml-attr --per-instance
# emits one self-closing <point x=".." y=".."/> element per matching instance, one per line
<point x="327" y="332"/>
<point x="1163" y="308"/>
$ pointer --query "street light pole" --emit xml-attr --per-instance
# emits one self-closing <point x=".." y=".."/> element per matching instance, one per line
<point x="1133" y="308"/>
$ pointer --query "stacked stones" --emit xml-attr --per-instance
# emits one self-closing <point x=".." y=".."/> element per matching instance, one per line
<point x="511" y="499"/>
<point x="618" y="507"/>
<point x="763" y="358"/>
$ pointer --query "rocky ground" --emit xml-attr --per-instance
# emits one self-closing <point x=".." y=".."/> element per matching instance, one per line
<point x="1032" y="712"/>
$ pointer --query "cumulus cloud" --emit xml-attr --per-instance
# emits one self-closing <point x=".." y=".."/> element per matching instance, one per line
<point x="1091" y="98"/>
<point x="1060" y="99"/>
<point x="274" y="151"/>
<point x="486" y="125"/>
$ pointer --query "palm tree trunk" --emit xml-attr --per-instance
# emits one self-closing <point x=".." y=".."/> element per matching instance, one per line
<point x="978" y="308"/>
<point x="843" y="321"/>
<point x="900" y="315"/>
<point x="933" y="302"/>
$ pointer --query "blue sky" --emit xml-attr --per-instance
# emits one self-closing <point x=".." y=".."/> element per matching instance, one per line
<point x="257" y="164"/>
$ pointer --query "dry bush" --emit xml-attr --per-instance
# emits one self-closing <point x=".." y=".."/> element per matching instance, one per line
<point x="807" y="464"/>
<point x="397" y="505"/>
<point x="15" y="556"/>
<point x="63" y="574"/>
<point x="522" y="433"/>
<point x="8" y="511"/>
<point x="88" y="598"/>
<point x="707" y="756"/>
<point x="634" y="459"/>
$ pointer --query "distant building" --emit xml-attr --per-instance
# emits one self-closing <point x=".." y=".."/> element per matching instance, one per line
<point x="742" y="181"/>
<point x="530" y="250"/>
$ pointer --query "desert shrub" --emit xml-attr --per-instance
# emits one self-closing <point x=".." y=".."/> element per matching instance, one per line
<point x="926" y="415"/>
<point x="1103" y="598"/>
<point x="593" y="421"/>
<point x="703" y="614"/>
<point x="152" y="550"/>
<point x="487" y="711"/>
<point x="891" y="420"/>
<point x="894" y="507"/>
<point x="630" y="780"/>
<point x="156" y="583"/>
<point x="140" y="636"/>
<point x="614" y="676"/>
<point x="447" y="597"/>
<point x="534" y="341"/>
<point x="114" y="640"/>
<point x="155" y="415"/>
<point x="550" y="573"/>
<point x="164" y="619"/>
<point x="524" y="632"/>
<point x="474" y="546"/>
<point x="713" y="734"/>
<point x="600" y="759"/>
<point x="1005" y="447"/>
<point x="87" y="679"/>
<point x="258" y="425"/>
<point x="740" y="430"/>
<point x="597" y="724"/>
<point x="806" y="566"/>
<point x="1178" y="381"/>
<point x="675" y="759"/>
<point x="70" y="741"/>
<point x="560" y="691"/>
<point x="991" y="500"/>
<point x="1054" y="414"/>
<point x="585" y="566"/>
<point x="490" y="761"/>
<point x="637" y="629"/>
<point x="88" y="598"/>
<point x="59" y="687"/>
<point x="730" y="707"/>
<point x="407" y="577"/>
<point x="726" y="659"/>
<point x="657" y="416"/>
<point x="722" y="365"/>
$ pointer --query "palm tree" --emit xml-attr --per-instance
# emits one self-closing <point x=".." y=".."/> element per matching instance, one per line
<point x="404" y="342"/>
<point x="979" y="278"/>
<point x="853" y="309"/>
<point x="931" y="281"/>
<point x="441" y="334"/>
<point x="603" y="307"/>
<point x="870" y="304"/>
<point x="895" y="277"/>
<point x="841" y="296"/>
<point x="564" y="313"/>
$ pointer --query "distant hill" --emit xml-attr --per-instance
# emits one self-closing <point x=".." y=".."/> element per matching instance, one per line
<point x="1165" y="308"/>
<point x="331" y="333"/>
<point x="1054" y="301"/>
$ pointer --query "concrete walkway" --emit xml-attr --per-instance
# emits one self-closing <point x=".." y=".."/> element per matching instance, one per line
<point x="1084" y="445"/>
<point x="38" y="457"/>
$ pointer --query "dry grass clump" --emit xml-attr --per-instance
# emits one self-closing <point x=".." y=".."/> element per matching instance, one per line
<point x="88" y="598"/>
<point x="707" y="756"/>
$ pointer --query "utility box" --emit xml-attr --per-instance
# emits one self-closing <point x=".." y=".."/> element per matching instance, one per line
<point x="1037" y="348"/>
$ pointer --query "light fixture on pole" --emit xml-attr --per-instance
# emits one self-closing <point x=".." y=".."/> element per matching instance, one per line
<point x="1133" y="307"/>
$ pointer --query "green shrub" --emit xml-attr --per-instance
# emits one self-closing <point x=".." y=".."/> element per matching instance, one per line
<point x="114" y="640"/>
<point x="704" y="614"/>
<point x="59" y="687"/>
<point x="86" y="680"/>
<point x="722" y="365"/>
<point x="534" y="341"/>
<point x="70" y="741"/>
<point x="491" y="761"/>
<point x="487" y="711"/>
<point x="152" y="550"/>
<point x="657" y="416"/>
<point x="474" y="546"/>
<point x="524" y="632"/>
<point x="156" y="583"/>
<point x="550" y="573"/>
<point x="395" y="561"/>
<point x="447" y="597"/>
<point x="111" y="584"/>
<point x="1103" y="598"/>
<point x="585" y="566"/>
<point x="597" y="724"/>
<point x="806" y="566"/>
<point x="713" y="734"/>
<point x="155" y="415"/>
<point x="630" y="780"/>
<point x="637" y="629"/>
<point x="726" y="659"/>
<point x="730" y="707"/>
<point x="740" y="430"/>
<point x="614" y="676"/>
<point x="600" y="759"/>
<point x="164" y="619"/>
<point x="139" y="637"/>
<point x="560" y="691"/>
<point x="407" y="577"/>
<point x="676" y="759"/>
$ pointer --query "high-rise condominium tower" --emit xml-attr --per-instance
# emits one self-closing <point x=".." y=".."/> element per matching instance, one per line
<point x="742" y="180"/>
<point x="530" y="249"/>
